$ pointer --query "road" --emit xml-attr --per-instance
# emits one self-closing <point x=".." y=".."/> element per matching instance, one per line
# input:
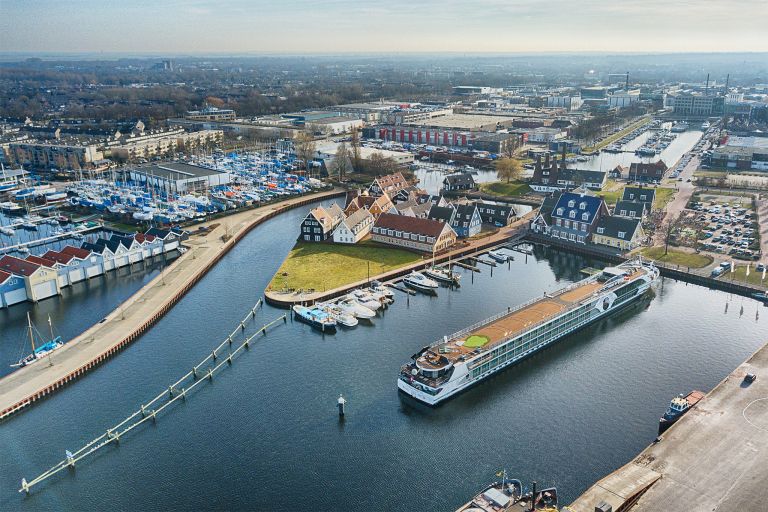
<point x="133" y="316"/>
<point x="762" y="216"/>
<point x="685" y="190"/>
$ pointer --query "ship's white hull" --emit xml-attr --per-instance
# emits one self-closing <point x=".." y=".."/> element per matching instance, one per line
<point x="462" y="379"/>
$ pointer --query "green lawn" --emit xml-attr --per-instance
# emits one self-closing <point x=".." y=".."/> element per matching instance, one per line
<point x="476" y="340"/>
<point x="663" y="197"/>
<point x="611" y="197"/>
<point x="500" y="188"/>
<point x="324" y="266"/>
<point x="673" y="257"/>
<point x="739" y="275"/>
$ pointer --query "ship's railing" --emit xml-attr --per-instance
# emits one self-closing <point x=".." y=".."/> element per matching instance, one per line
<point x="482" y="323"/>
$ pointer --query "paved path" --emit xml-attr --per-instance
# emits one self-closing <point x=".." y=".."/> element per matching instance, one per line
<point x="675" y="207"/>
<point x="714" y="458"/>
<point x="762" y="216"/>
<point x="137" y="313"/>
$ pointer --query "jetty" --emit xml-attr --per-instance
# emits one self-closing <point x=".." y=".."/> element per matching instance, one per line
<point x="27" y="385"/>
<point x="713" y="458"/>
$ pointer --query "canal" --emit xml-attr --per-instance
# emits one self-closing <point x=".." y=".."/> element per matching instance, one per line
<point x="265" y="434"/>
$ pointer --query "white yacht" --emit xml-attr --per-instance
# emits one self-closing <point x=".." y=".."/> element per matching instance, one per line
<point x="420" y="282"/>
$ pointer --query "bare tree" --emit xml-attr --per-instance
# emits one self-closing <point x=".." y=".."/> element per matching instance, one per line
<point x="508" y="169"/>
<point x="669" y="229"/>
<point x="378" y="164"/>
<point x="355" y="149"/>
<point x="341" y="161"/>
<point x="305" y="148"/>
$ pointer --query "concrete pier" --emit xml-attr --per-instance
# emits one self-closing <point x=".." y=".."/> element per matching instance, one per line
<point x="713" y="458"/>
<point x="138" y="313"/>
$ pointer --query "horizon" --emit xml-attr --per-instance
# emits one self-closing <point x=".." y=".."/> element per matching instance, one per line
<point x="341" y="27"/>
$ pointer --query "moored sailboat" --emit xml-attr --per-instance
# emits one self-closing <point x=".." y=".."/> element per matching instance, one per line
<point x="42" y="350"/>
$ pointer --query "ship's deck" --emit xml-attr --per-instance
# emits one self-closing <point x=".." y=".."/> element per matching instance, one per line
<point x="501" y="329"/>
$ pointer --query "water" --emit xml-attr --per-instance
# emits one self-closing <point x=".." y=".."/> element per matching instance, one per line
<point x="44" y="230"/>
<point x="683" y="143"/>
<point x="265" y="434"/>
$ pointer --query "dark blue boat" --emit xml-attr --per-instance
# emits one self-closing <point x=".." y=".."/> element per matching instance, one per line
<point x="315" y="317"/>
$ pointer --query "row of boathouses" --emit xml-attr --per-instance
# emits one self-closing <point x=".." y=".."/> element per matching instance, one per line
<point x="39" y="277"/>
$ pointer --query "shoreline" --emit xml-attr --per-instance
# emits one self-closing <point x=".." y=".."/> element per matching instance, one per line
<point x="138" y="313"/>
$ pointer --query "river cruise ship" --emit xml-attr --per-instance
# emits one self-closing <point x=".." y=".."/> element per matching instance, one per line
<point x="451" y="365"/>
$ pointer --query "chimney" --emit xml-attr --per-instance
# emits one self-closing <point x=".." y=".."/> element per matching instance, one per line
<point x="538" y="163"/>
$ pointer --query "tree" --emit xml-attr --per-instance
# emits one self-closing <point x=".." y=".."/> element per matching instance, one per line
<point x="508" y="169"/>
<point x="341" y="161"/>
<point x="305" y="148"/>
<point x="669" y="229"/>
<point x="510" y="148"/>
<point x="378" y="164"/>
<point x="355" y="149"/>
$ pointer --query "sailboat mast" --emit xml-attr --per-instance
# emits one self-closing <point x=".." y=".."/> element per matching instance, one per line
<point x="31" y="337"/>
<point x="50" y="325"/>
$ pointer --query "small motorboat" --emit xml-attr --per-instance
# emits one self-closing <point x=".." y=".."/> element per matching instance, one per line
<point x="420" y="282"/>
<point x="350" y="306"/>
<point x="342" y="318"/>
<point x="762" y="297"/>
<point x="498" y="256"/>
<point x="7" y="231"/>
<point x="315" y="317"/>
<point x="365" y="299"/>
<point x="30" y="226"/>
<point x="443" y="274"/>
<point x="379" y="288"/>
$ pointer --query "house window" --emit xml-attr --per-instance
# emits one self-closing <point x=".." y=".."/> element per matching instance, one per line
<point x="555" y="233"/>
<point x="422" y="238"/>
<point x="631" y="214"/>
<point x="581" y="239"/>
<point x="600" y="230"/>
<point x="317" y="238"/>
<point x="559" y="222"/>
<point x="631" y="196"/>
<point x="567" y="223"/>
<point x="624" y="212"/>
<point x="572" y="237"/>
<point x="622" y="234"/>
<point x="559" y="211"/>
<point x="390" y="232"/>
<point x="583" y="226"/>
<point x="643" y="197"/>
<point x="582" y="206"/>
<point x="414" y="236"/>
<point x="399" y="234"/>
<point x="572" y="214"/>
<point x="571" y="203"/>
<point x="585" y="216"/>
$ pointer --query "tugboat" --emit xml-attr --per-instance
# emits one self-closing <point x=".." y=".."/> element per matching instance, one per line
<point x="508" y="495"/>
<point x="677" y="407"/>
<point x="315" y="317"/>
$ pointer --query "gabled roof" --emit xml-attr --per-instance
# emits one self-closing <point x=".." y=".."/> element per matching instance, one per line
<point x="111" y="244"/>
<point x="442" y="213"/>
<point x="58" y="257"/>
<point x="77" y="253"/>
<point x="17" y="266"/>
<point x="466" y="211"/>
<point x="613" y="225"/>
<point x="141" y="238"/>
<point x="422" y="210"/>
<point x="356" y="218"/>
<point x="463" y="178"/>
<point x="392" y="182"/>
<point x="127" y="241"/>
<point x="635" y="193"/>
<point x="159" y="233"/>
<point x="335" y="211"/>
<point x="88" y="246"/>
<point x="326" y="220"/>
<point x="410" y="203"/>
<point x="45" y="262"/>
<point x="581" y="204"/>
<point x="581" y="175"/>
<point x="426" y="227"/>
<point x="4" y="276"/>
<point x="638" y="207"/>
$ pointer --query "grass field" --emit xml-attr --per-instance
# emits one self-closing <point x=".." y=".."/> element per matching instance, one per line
<point x="663" y="197"/>
<point x="739" y="275"/>
<point x="322" y="266"/>
<point x="684" y="259"/>
<point x="611" y="197"/>
<point x="500" y="188"/>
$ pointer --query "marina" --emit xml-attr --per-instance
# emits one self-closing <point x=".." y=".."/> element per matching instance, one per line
<point x="377" y="420"/>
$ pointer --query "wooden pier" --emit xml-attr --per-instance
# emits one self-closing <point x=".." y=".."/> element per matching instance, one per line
<point x="214" y="363"/>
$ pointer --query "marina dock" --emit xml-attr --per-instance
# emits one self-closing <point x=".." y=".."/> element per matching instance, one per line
<point x="713" y="458"/>
<point x="137" y="314"/>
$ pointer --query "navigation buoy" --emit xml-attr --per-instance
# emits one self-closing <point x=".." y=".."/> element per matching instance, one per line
<point x="340" y="403"/>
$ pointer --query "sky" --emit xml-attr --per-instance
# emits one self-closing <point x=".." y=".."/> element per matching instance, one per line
<point x="180" y="27"/>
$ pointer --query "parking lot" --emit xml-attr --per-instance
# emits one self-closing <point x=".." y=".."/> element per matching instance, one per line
<point x="729" y="226"/>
